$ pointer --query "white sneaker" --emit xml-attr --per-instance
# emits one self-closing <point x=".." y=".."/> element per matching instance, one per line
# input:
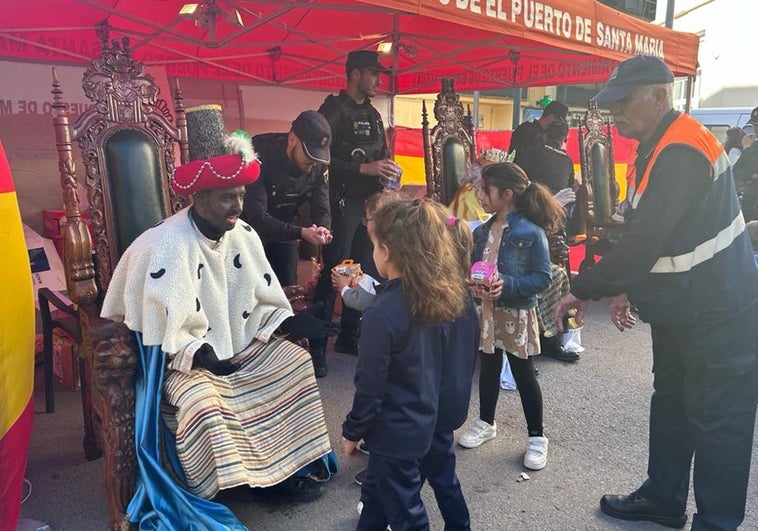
<point x="478" y="433"/>
<point x="536" y="453"/>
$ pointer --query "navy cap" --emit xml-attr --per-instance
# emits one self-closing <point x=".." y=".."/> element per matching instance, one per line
<point x="361" y="59"/>
<point x="632" y="73"/>
<point x="753" y="117"/>
<point x="315" y="133"/>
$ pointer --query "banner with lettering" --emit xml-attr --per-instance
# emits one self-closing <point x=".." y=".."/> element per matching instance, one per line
<point x="583" y="26"/>
<point x="285" y="43"/>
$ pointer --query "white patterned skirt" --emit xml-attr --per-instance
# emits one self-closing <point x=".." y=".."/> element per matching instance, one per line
<point x="509" y="329"/>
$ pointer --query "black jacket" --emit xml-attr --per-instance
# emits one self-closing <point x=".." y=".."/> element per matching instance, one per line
<point x="272" y="202"/>
<point x="683" y="258"/>
<point x="525" y="136"/>
<point x="397" y="380"/>
<point x="549" y="166"/>
<point x="680" y="179"/>
<point x="357" y="137"/>
<point x="460" y="345"/>
<point x="744" y="169"/>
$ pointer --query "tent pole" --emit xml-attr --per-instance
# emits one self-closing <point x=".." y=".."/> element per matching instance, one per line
<point x="516" y="107"/>
<point x="475" y="123"/>
<point x="688" y="100"/>
<point x="393" y="82"/>
<point x="670" y="14"/>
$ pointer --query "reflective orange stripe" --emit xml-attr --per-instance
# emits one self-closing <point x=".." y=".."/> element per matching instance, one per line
<point x="685" y="130"/>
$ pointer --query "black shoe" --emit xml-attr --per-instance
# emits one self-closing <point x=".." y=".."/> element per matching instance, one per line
<point x="303" y="489"/>
<point x="318" y="356"/>
<point x="635" y="507"/>
<point x="359" y="477"/>
<point x="288" y="491"/>
<point x="552" y="348"/>
<point x="362" y="447"/>
<point x="346" y="346"/>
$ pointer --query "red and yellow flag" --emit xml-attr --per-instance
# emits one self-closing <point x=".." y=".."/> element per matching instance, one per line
<point x="16" y="351"/>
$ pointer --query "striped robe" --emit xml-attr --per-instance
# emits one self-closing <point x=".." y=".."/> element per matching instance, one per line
<point x="264" y="422"/>
<point x="257" y="426"/>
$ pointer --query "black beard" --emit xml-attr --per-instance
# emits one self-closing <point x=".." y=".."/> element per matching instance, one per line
<point x="205" y="228"/>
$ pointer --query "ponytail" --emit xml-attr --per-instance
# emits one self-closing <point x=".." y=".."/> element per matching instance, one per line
<point x="540" y="207"/>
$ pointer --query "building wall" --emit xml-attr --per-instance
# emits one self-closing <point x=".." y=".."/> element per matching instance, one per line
<point x="494" y="113"/>
<point x="728" y="77"/>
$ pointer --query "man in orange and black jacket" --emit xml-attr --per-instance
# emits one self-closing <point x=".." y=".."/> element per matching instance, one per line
<point x="685" y="262"/>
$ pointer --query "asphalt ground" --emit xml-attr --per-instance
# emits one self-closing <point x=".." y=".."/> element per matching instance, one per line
<point x="596" y="417"/>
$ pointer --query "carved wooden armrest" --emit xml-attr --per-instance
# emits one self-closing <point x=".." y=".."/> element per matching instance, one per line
<point x="80" y="270"/>
<point x="114" y="360"/>
<point x="297" y="297"/>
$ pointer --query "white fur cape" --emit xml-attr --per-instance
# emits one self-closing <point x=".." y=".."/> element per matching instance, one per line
<point x="182" y="290"/>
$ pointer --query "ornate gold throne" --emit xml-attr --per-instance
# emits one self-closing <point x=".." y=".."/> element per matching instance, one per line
<point x="127" y="140"/>
<point x="597" y="197"/>
<point x="449" y="148"/>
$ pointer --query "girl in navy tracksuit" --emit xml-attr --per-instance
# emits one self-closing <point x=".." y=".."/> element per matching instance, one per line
<point x="400" y="362"/>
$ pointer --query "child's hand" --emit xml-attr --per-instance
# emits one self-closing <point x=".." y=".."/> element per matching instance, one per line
<point x="348" y="447"/>
<point x="340" y="282"/>
<point x="496" y="289"/>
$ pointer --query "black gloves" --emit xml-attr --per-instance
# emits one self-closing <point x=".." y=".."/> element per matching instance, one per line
<point x="205" y="357"/>
<point x="306" y="324"/>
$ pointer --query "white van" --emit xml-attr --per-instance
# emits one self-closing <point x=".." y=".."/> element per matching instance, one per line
<point x="718" y="120"/>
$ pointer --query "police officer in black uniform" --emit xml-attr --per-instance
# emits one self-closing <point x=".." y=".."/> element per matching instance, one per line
<point x="529" y="137"/>
<point x="359" y="168"/>
<point x="293" y="170"/>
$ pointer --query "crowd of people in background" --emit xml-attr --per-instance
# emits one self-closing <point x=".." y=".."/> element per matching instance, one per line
<point x="743" y="155"/>
<point x="417" y="320"/>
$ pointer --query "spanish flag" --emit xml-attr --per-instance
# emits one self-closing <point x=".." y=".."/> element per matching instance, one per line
<point x="16" y="351"/>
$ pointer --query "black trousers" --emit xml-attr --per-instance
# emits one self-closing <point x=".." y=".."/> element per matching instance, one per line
<point x="349" y="240"/>
<point x="391" y="494"/>
<point x="283" y="257"/>
<point x="703" y="405"/>
<point x="528" y="387"/>
<point x="438" y="468"/>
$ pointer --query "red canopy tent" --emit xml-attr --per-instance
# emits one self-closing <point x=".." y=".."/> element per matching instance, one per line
<point x="303" y="43"/>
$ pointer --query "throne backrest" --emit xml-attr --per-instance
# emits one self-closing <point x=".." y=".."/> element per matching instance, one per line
<point x="127" y="140"/>
<point x="449" y="148"/>
<point x="598" y="194"/>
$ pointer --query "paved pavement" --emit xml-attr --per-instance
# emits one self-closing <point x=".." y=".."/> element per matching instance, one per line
<point x="596" y="415"/>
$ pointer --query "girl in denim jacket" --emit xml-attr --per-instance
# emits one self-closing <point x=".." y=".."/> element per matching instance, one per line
<point x="513" y="238"/>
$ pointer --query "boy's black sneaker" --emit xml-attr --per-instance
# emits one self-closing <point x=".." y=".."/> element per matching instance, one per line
<point x="290" y="490"/>
<point x="303" y="490"/>
<point x="359" y="477"/>
<point x="346" y="346"/>
<point x="318" y="356"/>
<point x="362" y="447"/>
